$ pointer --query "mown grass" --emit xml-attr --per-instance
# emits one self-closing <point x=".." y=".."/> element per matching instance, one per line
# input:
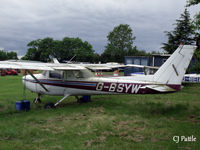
<point x="108" y="122"/>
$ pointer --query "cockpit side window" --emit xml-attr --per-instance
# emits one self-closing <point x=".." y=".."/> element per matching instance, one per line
<point x="72" y="74"/>
<point x="76" y="74"/>
<point x="44" y="73"/>
<point x="55" y="75"/>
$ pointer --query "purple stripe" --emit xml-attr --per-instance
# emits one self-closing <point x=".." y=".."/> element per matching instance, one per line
<point x="129" y="88"/>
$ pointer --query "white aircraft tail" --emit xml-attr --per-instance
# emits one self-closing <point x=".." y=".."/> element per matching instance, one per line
<point x="55" y="60"/>
<point x="173" y="70"/>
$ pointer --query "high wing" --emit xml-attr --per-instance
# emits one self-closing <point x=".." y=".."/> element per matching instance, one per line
<point x="107" y="66"/>
<point x="26" y="65"/>
<point x="34" y="65"/>
<point x="110" y="66"/>
<point x="94" y="67"/>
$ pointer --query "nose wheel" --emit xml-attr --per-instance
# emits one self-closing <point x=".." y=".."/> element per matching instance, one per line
<point x="37" y="99"/>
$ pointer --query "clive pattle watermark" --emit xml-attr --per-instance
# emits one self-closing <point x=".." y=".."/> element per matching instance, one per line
<point x="178" y="139"/>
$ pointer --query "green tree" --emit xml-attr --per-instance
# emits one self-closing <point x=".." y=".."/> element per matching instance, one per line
<point x="96" y="58"/>
<point x="12" y="55"/>
<point x="120" y="41"/>
<point x="196" y="24"/>
<point x="7" y="55"/>
<point x="70" y="45"/>
<point x="3" y="55"/>
<point x="45" y="49"/>
<point x="182" y="33"/>
<point x="39" y="50"/>
<point x="84" y="52"/>
<point x="135" y="52"/>
<point x="58" y="50"/>
<point x="192" y="2"/>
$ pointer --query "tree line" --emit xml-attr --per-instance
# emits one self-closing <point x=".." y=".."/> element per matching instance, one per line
<point x="120" y="44"/>
<point x="48" y="48"/>
<point x="7" y="55"/>
<point x="186" y="31"/>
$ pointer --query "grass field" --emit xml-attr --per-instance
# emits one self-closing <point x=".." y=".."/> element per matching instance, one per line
<point x="108" y="122"/>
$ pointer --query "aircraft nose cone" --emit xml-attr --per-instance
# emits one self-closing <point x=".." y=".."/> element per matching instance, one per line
<point x="23" y="78"/>
<point x="26" y="78"/>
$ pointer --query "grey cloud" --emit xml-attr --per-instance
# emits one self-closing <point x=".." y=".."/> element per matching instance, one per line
<point x="91" y="20"/>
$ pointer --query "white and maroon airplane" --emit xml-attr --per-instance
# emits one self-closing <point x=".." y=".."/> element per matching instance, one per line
<point x="75" y="80"/>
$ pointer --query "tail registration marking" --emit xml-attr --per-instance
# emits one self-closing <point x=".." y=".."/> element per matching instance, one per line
<point x="118" y="87"/>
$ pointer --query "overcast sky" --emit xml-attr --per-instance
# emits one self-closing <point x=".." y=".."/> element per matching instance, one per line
<point x="22" y="21"/>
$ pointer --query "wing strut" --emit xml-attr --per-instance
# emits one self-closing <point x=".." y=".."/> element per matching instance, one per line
<point x="38" y="81"/>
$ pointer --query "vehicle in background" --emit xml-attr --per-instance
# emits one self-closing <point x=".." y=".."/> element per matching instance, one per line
<point x="8" y="72"/>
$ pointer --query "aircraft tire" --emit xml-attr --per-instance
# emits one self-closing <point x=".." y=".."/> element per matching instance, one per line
<point x="82" y="100"/>
<point x="49" y="105"/>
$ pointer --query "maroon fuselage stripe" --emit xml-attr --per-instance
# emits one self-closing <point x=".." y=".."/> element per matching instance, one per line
<point x="125" y="88"/>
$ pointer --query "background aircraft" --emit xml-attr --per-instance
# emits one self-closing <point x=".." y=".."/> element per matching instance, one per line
<point x="187" y="78"/>
<point x="191" y="78"/>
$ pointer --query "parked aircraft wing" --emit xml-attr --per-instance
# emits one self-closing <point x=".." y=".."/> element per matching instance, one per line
<point x="98" y="68"/>
<point x="142" y="66"/>
<point x="102" y="66"/>
<point x="55" y="61"/>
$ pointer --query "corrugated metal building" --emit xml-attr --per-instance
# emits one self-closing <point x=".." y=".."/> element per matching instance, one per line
<point x="155" y="60"/>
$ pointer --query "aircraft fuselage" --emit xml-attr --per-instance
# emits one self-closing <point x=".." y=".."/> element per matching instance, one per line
<point x="90" y="86"/>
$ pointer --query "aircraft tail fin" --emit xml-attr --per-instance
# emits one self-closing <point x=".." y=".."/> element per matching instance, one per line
<point x="173" y="70"/>
<point x="55" y="60"/>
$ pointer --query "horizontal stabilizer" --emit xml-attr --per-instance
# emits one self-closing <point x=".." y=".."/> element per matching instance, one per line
<point x="159" y="88"/>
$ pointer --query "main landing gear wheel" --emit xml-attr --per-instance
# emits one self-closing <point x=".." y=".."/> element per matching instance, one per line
<point x="52" y="105"/>
<point x="83" y="99"/>
<point x="49" y="105"/>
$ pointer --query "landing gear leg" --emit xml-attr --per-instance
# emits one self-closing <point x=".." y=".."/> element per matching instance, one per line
<point x="37" y="99"/>
<point x="52" y="105"/>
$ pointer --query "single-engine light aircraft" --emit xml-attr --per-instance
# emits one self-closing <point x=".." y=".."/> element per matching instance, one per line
<point x="77" y="80"/>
